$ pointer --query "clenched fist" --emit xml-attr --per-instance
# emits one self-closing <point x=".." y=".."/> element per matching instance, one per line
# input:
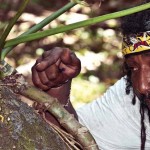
<point x="55" y="68"/>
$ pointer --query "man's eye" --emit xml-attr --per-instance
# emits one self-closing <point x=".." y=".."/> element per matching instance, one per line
<point x="133" y="68"/>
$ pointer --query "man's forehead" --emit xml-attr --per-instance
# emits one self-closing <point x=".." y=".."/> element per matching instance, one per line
<point x="146" y="52"/>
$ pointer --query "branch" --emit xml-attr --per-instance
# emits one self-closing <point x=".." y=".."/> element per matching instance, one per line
<point x="68" y="121"/>
<point x="17" y="83"/>
<point x="73" y="26"/>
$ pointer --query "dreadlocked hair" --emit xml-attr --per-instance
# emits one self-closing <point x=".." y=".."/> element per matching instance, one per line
<point x="133" y="24"/>
<point x="143" y="129"/>
<point x="137" y="22"/>
<point x="127" y="72"/>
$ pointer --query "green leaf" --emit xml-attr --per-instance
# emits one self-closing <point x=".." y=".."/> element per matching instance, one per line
<point x="73" y="26"/>
<point x="40" y="25"/>
<point x="11" y="24"/>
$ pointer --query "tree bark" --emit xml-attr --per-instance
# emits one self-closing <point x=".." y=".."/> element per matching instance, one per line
<point x="78" y="138"/>
<point x="21" y="128"/>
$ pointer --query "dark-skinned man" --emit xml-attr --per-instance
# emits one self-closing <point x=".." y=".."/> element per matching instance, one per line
<point x="120" y="119"/>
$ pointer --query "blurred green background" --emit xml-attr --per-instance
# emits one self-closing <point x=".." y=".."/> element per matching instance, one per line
<point x="98" y="46"/>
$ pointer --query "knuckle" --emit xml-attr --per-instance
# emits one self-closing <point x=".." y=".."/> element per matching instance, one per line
<point x="49" y="84"/>
<point x="59" y="50"/>
<point x="46" y="53"/>
<point x="40" y="85"/>
<point x="56" y="48"/>
<point x="45" y="82"/>
<point x="67" y="49"/>
<point x="38" y="60"/>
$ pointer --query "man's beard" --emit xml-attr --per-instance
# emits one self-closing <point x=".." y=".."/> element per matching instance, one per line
<point x="144" y="110"/>
<point x="145" y="101"/>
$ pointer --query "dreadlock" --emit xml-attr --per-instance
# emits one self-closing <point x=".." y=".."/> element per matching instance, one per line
<point x="133" y="24"/>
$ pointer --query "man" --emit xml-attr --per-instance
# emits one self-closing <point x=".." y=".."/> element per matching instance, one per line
<point x="119" y="120"/>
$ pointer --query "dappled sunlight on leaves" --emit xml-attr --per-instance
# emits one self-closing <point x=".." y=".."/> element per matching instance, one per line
<point x="98" y="46"/>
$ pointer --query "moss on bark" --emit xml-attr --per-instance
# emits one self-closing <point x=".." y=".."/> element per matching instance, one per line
<point x="22" y="129"/>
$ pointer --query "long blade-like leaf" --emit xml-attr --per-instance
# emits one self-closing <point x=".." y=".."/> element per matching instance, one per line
<point x="40" y="25"/>
<point x="73" y="26"/>
<point x="11" y="24"/>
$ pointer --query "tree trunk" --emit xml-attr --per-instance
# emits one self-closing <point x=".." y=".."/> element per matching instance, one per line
<point x="22" y="129"/>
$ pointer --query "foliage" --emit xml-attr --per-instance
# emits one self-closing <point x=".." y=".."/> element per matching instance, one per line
<point x="91" y="42"/>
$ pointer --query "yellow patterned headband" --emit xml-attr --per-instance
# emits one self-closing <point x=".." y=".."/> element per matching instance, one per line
<point x="135" y="43"/>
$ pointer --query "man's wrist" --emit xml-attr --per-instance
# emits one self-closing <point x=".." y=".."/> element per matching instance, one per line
<point x="62" y="93"/>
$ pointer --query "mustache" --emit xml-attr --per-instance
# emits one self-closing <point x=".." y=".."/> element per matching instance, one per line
<point x="144" y="97"/>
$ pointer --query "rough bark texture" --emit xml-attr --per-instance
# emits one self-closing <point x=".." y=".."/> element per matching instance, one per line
<point x="23" y="129"/>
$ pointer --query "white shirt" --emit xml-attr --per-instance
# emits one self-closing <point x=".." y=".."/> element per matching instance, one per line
<point x="114" y="121"/>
